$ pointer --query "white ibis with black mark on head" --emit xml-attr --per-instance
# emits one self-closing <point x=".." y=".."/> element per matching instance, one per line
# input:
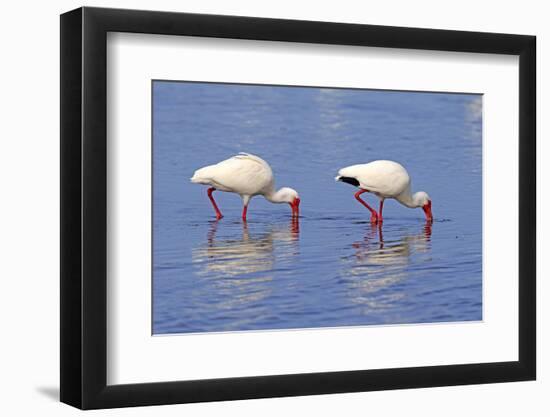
<point x="247" y="175"/>
<point x="385" y="179"/>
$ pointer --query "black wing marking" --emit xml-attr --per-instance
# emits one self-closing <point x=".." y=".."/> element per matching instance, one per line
<point x="349" y="180"/>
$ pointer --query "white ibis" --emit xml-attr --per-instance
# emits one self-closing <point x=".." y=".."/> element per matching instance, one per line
<point x="385" y="179"/>
<point x="247" y="175"/>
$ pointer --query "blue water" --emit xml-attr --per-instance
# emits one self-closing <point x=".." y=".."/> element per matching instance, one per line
<point x="331" y="267"/>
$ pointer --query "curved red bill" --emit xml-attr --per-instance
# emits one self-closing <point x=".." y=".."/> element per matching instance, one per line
<point x="295" y="206"/>
<point x="428" y="211"/>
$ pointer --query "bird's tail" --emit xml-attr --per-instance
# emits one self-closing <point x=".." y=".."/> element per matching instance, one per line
<point x="200" y="176"/>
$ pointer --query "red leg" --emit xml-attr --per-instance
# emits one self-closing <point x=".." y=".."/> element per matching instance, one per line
<point x="216" y="209"/>
<point x="380" y="211"/>
<point x="245" y="208"/>
<point x="374" y="216"/>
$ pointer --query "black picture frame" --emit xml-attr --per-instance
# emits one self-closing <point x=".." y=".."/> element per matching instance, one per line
<point x="84" y="207"/>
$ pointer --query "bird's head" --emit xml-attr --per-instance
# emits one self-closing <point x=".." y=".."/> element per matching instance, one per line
<point x="290" y="196"/>
<point x="423" y="200"/>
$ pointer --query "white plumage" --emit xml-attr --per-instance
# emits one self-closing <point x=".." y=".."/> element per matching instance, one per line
<point x="247" y="175"/>
<point x="385" y="179"/>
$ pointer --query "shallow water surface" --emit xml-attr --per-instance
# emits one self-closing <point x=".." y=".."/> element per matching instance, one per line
<point x="330" y="267"/>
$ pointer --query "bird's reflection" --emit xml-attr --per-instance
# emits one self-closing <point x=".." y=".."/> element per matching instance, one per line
<point x="240" y="265"/>
<point x="377" y="264"/>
